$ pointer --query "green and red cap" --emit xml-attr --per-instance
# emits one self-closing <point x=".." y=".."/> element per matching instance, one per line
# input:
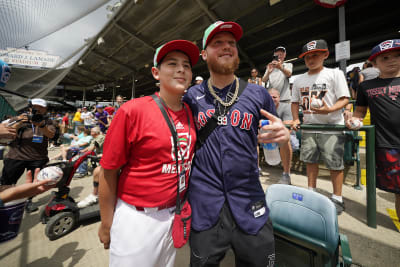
<point x="221" y="26"/>
<point x="187" y="47"/>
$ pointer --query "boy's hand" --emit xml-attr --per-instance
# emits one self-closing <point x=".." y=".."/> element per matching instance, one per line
<point x="296" y="125"/>
<point x="354" y="123"/>
<point x="324" y="109"/>
<point x="104" y="235"/>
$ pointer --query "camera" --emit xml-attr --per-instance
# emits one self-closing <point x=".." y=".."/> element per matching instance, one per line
<point x="275" y="57"/>
<point x="35" y="116"/>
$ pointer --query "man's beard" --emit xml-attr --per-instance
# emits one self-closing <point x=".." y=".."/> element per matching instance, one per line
<point x="227" y="68"/>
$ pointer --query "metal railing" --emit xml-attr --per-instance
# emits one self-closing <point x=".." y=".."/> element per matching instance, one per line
<point x="370" y="163"/>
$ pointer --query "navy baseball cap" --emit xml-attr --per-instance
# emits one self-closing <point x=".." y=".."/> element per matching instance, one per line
<point x="187" y="47"/>
<point x="5" y="73"/>
<point x="221" y="26"/>
<point x="313" y="46"/>
<point x="383" y="47"/>
<point x="99" y="106"/>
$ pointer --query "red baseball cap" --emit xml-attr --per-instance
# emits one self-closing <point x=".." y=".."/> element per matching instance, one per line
<point x="187" y="47"/>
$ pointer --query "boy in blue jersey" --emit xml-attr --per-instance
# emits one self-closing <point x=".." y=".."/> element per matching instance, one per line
<point x="228" y="202"/>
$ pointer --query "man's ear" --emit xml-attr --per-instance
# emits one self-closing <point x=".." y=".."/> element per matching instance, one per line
<point x="156" y="73"/>
<point x="204" y="55"/>
<point x="326" y="54"/>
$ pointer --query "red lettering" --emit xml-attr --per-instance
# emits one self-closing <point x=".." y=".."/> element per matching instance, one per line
<point x="210" y="112"/>
<point x="235" y="117"/>
<point x="246" y="122"/>
<point x="202" y="119"/>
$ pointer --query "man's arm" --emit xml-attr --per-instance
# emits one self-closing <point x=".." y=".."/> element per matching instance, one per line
<point x="268" y="71"/>
<point x="281" y="67"/>
<point x="108" y="181"/>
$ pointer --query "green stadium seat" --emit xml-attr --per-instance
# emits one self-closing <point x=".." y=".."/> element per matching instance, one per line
<point x="305" y="228"/>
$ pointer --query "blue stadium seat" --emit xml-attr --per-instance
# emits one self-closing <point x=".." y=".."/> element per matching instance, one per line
<point x="305" y="228"/>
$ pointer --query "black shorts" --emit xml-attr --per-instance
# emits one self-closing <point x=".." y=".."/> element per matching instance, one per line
<point x="13" y="169"/>
<point x="388" y="169"/>
<point x="208" y="247"/>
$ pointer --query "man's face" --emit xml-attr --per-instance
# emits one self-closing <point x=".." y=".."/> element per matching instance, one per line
<point x="388" y="63"/>
<point x="199" y="81"/>
<point x="315" y="60"/>
<point x="120" y="100"/>
<point x="221" y="54"/>
<point x="93" y="133"/>
<point x="40" y="109"/>
<point x="174" y="73"/>
<point x="281" y="55"/>
<point x="275" y="97"/>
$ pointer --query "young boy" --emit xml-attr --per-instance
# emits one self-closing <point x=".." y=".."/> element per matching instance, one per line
<point x="138" y="181"/>
<point x="330" y="86"/>
<point x="381" y="96"/>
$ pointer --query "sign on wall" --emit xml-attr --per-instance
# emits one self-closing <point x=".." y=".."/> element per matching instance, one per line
<point x="32" y="58"/>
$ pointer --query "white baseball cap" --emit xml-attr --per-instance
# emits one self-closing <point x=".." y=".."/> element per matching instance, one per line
<point x="39" y="102"/>
<point x="199" y="78"/>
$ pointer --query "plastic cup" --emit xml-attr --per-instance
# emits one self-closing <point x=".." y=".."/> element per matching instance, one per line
<point x="10" y="219"/>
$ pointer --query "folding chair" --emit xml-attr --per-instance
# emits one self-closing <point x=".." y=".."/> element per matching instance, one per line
<point x="305" y="228"/>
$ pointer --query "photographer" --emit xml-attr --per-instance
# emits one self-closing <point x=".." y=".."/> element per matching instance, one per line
<point x="278" y="73"/>
<point x="29" y="149"/>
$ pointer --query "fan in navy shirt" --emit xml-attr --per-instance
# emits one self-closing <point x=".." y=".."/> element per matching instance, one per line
<point x="228" y="202"/>
<point x="102" y="118"/>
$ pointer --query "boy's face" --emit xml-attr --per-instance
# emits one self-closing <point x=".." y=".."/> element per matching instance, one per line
<point x="221" y="54"/>
<point x="315" y="60"/>
<point x="388" y="64"/>
<point x="174" y="72"/>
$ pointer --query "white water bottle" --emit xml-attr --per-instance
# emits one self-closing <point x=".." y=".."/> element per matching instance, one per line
<point x="271" y="150"/>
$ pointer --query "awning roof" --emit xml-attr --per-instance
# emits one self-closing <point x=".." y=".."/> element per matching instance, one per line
<point x="134" y="33"/>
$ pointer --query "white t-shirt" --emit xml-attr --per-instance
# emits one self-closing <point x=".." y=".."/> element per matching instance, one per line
<point x="278" y="80"/>
<point x="330" y="81"/>
<point x="87" y="118"/>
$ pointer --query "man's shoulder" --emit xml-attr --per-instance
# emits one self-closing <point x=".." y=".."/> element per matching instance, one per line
<point x="195" y="92"/>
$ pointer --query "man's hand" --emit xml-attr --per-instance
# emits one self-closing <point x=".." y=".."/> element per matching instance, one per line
<point x="23" y="117"/>
<point x="277" y="64"/>
<point x="104" y="235"/>
<point x="276" y="131"/>
<point x="270" y="68"/>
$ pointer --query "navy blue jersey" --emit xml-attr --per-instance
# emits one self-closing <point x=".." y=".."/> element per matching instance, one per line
<point x="225" y="167"/>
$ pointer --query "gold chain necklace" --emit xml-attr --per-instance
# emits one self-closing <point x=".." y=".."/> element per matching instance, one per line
<point x="225" y="104"/>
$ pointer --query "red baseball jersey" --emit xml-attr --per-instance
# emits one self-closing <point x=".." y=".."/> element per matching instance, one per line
<point x="140" y="142"/>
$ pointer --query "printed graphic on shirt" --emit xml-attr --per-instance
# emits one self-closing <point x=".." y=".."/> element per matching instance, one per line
<point x="236" y="118"/>
<point x="184" y="143"/>
<point x="317" y="91"/>
<point x="390" y="91"/>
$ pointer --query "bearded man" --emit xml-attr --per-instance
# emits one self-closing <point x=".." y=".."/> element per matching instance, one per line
<point x="228" y="203"/>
